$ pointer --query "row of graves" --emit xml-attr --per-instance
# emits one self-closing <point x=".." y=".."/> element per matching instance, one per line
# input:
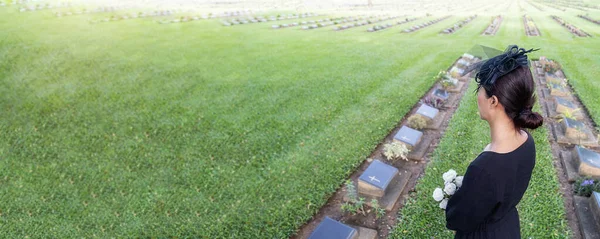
<point x="130" y="16"/>
<point x="364" y="22"/>
<point x="424" y="25"/>
<point x="494" y="26"/>
<point x="377" y="28"/>
<point x="196" y="16"/>
<point x="530" y="27"/>
<point x="44" y="6"/>
<point x="81" y="11"/>
<point x="272" y="18"/>
<point x="313" y="24"/>
<point x="367" y="205"/>
<point x="573" y="29"/>
<point x="588" y="18"/>
<point x="458" y="25"/>
<point x="535" y="6"/>
<point x="574" y="139"/>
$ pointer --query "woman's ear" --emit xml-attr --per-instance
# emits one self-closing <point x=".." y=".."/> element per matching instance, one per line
<point x="494" y="101"/>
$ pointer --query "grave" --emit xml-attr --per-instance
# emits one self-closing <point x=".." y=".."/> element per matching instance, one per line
<point x="571" y="131"/>
<point x="588" y="222"/>
<point x="441" y="94"/>
<point x="595" y="205"/>
<point x="375" y="179"/>
<point x="332" y="229"/>
<point x="414" y="141"/>
<point x="562" y="105"/>
<point x="435" y="118"/>
<point x="558" y="90"/>
<point x="383" y="183"/>
<point x="589" y="161"/>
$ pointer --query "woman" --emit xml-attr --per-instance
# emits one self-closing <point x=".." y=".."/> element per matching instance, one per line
<point x="485" y="205"/>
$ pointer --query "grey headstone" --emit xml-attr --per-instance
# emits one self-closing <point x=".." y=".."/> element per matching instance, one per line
<point x="442" y="94"/>
<point x="565" y="102"/>
<point x="571" y="123"/>
<point x="427" y="111"/>
<point x="408" y="135"/>
<point x="588" y="156"/>
<point x="378" y="174"/>
<point x="332" y="229"/>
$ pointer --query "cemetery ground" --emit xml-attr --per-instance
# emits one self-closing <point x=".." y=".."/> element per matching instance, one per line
<point x="139" y="129"/>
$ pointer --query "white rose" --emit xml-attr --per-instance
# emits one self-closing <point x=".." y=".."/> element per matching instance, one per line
<point x="444" y="203"/>
<point x="450" y="189"/>
<point x="438" y="194"/>
<point x="449" y="176"/>
<point x="458" y="180"/>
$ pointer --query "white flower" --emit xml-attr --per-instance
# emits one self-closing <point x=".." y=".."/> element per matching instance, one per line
<point x="458" y="180"/>
<point x="450" y="189"/>
<point x="444" y="203"/>
<point x="438" y="194"/>
<point x="449" y="176"/>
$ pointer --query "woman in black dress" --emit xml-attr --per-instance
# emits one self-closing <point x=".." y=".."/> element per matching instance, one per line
<point x="485" y="205"/>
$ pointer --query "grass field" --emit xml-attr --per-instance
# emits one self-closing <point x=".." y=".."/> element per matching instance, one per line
<point x="135" y="129"/>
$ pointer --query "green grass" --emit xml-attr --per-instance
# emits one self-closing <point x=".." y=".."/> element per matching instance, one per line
<point x="541" y="210"/>
<point x="136" y="129"/>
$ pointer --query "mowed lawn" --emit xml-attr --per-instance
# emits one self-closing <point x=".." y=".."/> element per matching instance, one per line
<point x="136" y="129"/>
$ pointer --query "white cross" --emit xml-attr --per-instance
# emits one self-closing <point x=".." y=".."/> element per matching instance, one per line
<point x="373" y="178"/>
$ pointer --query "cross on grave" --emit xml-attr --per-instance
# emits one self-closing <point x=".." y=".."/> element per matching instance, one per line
<point x="375" y="180"/>
<point x="589" y="162"/>
<point x="332" y="229"/>
<point x="427" y="111"/>
<point x="408" y="135"/>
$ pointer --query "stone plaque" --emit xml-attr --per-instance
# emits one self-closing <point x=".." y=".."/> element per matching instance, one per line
<point x="441" y="93"/>
<point x="427" y="111"/>
<point x="409" y="136"/>
<point x="375" y="180"/>
<point x="332" y="229"/>
<point x="589" y="161"/>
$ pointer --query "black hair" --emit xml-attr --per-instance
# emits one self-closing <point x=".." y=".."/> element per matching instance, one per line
<point x="516" y="92"/>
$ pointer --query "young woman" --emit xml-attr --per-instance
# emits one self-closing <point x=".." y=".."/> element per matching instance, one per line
<point x="485" y="205"/>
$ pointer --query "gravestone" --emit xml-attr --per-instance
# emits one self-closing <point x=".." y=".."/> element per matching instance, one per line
<point x="564" y="105"/>
<point x="558" y="90"/>
<point x="332" y="229"/>
<point x="574" y="129"/>
<point x="595" y="206"/>
<point x="376" y="178"/>
<point x="427" y="111"/>
<point x="441" y="93"/>
<point x="589" y="161"/>
<point x="408" y="136"/>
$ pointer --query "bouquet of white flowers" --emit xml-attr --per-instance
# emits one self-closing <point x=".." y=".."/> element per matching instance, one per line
<point x="452" y="182"/>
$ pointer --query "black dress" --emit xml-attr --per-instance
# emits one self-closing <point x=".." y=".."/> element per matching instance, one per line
<point x="485" y="205"/>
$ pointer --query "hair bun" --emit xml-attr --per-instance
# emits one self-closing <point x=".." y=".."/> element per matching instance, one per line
<point x="529" y="119"/>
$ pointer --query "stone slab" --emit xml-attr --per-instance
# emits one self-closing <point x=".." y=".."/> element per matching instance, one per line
<point x="332" y="229"/>
<point x="589" y="161"/>
<point x="391" y="197"/>
<point x="458" y="87"/>
<point x="365" y="233"/>
<point x="436" y="123"/>
<point x="595" y="204"/>
<point x="587" y="223"/>
<point x="560" y="129"/>
<point x="376" y="179"/>
<point x="410" y="137"/>
<point x="569" y="165"/>
<point x="418" y="152"/>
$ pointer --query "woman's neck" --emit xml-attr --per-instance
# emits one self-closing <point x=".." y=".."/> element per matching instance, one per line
<point x="505" y="137"/>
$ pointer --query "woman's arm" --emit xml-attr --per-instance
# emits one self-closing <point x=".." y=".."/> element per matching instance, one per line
<point x="473" y="202"/>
